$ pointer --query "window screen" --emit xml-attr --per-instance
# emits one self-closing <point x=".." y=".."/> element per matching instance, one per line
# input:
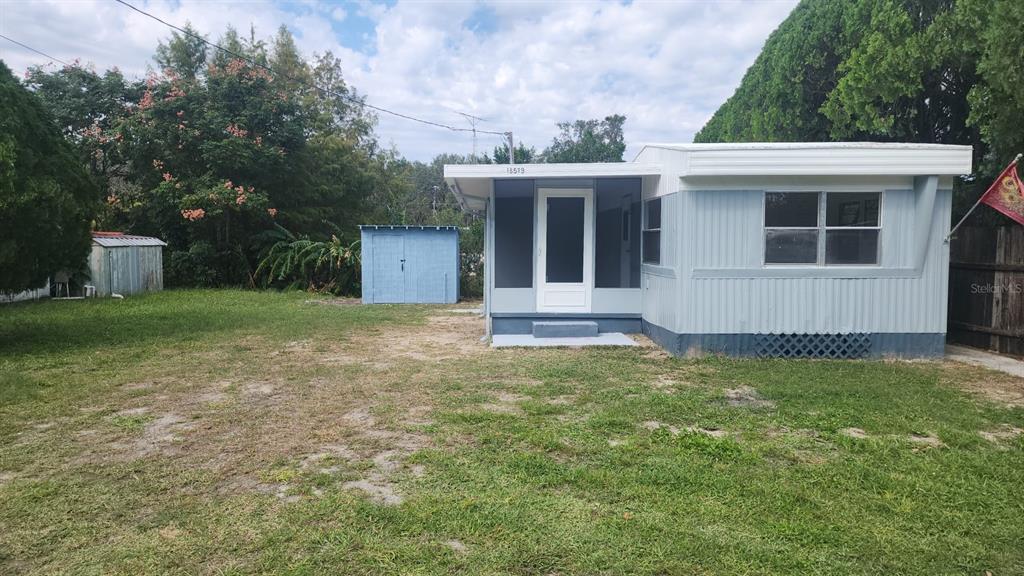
<point x="652" y="232"/>
<point x="563" y="260"/>
<point x="791" y="227"/>
<point x="851" y="209"/>
<point x="791" y="210"/>
<point x="852" y="226"/>
<point x="782" y="246"/>
<point x="617" y="241"/>
<point x="851" y="247"/>
<point x="795" y="232"/>
<point x="513" y="233"/>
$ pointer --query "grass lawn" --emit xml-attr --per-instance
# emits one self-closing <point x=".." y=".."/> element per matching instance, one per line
<point x="229" y="432"/>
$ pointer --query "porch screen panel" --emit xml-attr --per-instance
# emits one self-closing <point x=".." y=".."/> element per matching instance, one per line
<point x="513" y="233"/>
<point x="565" y="232"/>
<point x="617" y="241"/>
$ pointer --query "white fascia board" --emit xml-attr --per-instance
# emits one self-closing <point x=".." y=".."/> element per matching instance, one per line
<point x="586" y="170"/>
<point x="841" y="159"/>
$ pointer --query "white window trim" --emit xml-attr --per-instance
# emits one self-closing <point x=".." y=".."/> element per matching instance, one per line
<point x="644" y="228"/>
<point x="822" y="228"/>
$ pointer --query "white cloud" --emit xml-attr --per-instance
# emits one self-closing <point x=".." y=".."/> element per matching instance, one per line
<point x="665" y="65"/>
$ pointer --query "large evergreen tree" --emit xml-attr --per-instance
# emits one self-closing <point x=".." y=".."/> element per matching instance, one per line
<point x="46" y="198"/>
<point x="942" y="71"/>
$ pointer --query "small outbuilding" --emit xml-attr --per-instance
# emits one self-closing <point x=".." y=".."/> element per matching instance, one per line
<point x="410" y="264"/>
<point x="126" y="264"/>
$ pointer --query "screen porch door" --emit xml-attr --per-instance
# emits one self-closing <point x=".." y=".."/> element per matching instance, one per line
<point x="565" y="249"/>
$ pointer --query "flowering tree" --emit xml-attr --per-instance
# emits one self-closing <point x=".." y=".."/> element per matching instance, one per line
<point x="211" y="151"/>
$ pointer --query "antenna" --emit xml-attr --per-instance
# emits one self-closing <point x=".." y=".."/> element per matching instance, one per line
<point x="472" y="122"/>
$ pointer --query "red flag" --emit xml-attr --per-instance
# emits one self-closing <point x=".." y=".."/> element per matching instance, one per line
<point x="1006" y="194"/>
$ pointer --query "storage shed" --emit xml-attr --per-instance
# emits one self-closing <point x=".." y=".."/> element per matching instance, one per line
<point x="410" y="264"/>
<point x="125" y="264"/>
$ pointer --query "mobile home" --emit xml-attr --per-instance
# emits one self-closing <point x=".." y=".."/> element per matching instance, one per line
<point x="780" y="249"/>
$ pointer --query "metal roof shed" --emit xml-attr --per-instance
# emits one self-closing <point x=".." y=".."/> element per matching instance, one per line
<point x="125" y="264"/>
<point x="410" y="264"/>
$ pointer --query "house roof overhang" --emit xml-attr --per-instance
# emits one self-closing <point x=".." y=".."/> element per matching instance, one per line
<point x="471" y="183"/>
<point x="816" y="159"/>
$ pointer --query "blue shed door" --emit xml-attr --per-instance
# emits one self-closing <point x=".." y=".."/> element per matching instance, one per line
<point x="388" y="268"/>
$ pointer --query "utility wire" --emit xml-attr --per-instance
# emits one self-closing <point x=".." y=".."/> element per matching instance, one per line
<point x="301" y="81"/>
<point x="27" y="47"/>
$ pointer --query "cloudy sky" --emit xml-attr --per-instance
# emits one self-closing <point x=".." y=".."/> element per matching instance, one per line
<point x="519" y="65"/>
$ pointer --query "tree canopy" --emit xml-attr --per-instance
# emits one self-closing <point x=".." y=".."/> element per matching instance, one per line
<point x="46" y="196"/>
<point x="212" y="152"/>
<point x="232" y="156"/>
<point x="940" y="71"/>
<point x="588" y="141"/>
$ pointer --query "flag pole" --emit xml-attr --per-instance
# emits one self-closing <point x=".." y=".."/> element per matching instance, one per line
<point x="980" y="198"/>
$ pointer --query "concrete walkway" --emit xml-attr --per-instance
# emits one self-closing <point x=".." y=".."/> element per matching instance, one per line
<point x="985" y="359"/>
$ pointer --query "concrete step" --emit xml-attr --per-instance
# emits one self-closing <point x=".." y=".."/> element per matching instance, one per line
<point x="564" y="329"/>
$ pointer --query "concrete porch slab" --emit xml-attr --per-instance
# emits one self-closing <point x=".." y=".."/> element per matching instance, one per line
<point x="529" y="341"/>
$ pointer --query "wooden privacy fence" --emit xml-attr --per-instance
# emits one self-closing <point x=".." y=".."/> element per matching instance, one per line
<point x="986" y="288"/>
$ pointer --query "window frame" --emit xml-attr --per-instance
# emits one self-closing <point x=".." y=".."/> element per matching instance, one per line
<point x="822" y="229"/>
<point x="644" y="230"/>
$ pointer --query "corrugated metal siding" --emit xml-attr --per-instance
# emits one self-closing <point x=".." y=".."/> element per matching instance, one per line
<point x="126" y="270"/>
<point x="430" y="273"/>
<point x="726" y="232"/>
<point x="121" y="241"/>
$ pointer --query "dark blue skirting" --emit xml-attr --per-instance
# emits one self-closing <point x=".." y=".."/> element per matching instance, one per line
<point x="871" y="345"/>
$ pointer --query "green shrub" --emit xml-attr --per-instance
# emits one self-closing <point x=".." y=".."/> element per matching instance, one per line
<point x="298" y="262"/>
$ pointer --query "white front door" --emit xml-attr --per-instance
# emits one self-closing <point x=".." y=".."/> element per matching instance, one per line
<point x="565" y="249"/>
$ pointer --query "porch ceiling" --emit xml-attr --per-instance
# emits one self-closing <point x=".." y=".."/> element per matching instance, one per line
<point x="471" y="183"/>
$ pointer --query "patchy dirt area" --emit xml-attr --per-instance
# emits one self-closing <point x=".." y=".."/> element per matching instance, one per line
<point x="347" y="411"/>
<point x="653" y="425"/>
<point x="1002" y="389"/>
<point x="335" y="302"/>
<point x="443" y="338"/>
<point x="1004" y="433"/>
<point x="504" y="403"/>
<point x="746" y="397"/>
<point x="926" y="440"/>
<point x="854" y="433"/>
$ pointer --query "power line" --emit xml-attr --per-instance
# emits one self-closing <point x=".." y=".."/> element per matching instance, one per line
<point x="27" y="47"/>
<point x="303" y="82"/>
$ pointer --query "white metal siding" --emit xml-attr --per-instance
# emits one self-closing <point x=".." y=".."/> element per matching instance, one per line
<point x="660" y="283"/>
<point x="725" y="230"/>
